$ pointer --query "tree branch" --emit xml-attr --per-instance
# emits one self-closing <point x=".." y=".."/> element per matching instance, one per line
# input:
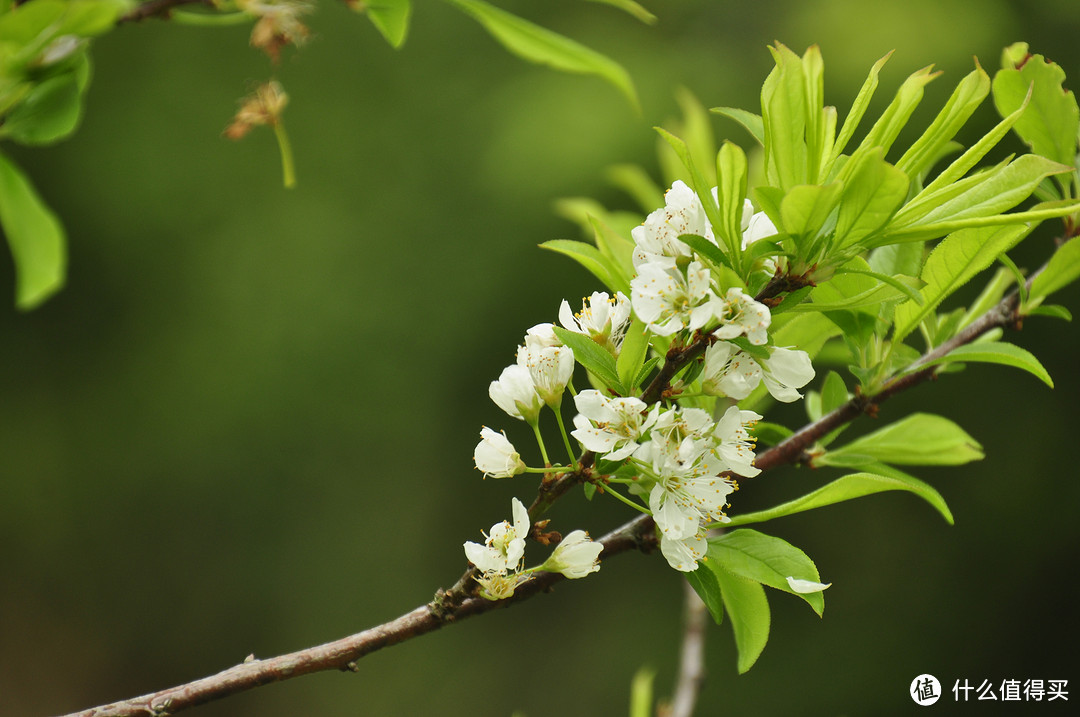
<point x="453" y="605"/>
<point x="691" y="658"/>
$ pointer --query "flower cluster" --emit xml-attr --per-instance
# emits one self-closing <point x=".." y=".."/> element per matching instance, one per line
<point x="500" y="558"/>
<point x="678" y="463"/>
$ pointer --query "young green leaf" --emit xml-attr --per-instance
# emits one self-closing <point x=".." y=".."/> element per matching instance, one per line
<point x="390" y="17"/>
<point x="704" y="582"/>
<point x="858" y="107"/>
<point x="595" y="359"/>
<point x="951" y="264"/>
<point x="967" y="96"/>
<point x="49" y="112"/>
<point x="631" y="8"/>
<point x="873" y="191"/>
<point x="1052" y="120"/>
<point x="589" y="257"/>
<point x="544" y="47"/>
<point x="997" y="352"/>
<point x="896" y="115"/>
<point x="748" y="609"/>
<point x="784" y="108"/>
<point x="921" y="439"/>
<point x="750" y="121"/>
<point x="1062" y="270"/>
<point x="731" y="168"/>
<point x="35" y="236"/>
<point x="632" y="354"/>
<point x="635" y="181"/>
<point x="766" y="559"/>
<point x="854" y="485"/>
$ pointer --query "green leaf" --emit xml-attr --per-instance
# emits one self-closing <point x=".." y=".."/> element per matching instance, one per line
<point x="858" y="107"/>
<point x="595" y="359"/>
<point x="1052" y="119"/>
<point x="921" y="439"/>
<point x="701" y="186"/>
<point x="646" y="369"/>
<point x="48" y="113"/>
<point x="704" y="582"/>
<point x="981" y="196"/>
<point x="896" y="115"/>
<point x="805" y="209"/>
<point x="766" y="559"/>
<point x="635" y="347"/>
<point x="748" y="609"/>
<point x="589" y="257"/>
<point x="618" y="252"/>
<point x="907" y="285"/>
<point x="854" y="286"/>
<point x="35" y="235"/>
<point x="632" y="8"/>
<point x="636" y="182"/>
<point x="731" y="168"/>
<point x="544" y="47"/>
<point x="1062" y="270"/>
<point x="833" y="392"/>
<point x="854" y="485"/>
<point x="995" y="352"/>
<point x="706" y="250"/>
<point x="390" y="17"/>
<point x="1053" y="311"/>
<point x="873" y="191"/>
<point x="958" y="258"/>
<point x="641" y="693"/>
<point x="750" y="121"/>
<point x="784" y="107"/>
<point x="967" y="96"/>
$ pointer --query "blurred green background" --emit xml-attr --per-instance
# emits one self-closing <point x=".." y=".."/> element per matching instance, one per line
<point x="246" y="424"/>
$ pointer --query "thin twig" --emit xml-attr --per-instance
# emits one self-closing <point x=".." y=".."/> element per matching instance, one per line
<point x="691" y="674"/>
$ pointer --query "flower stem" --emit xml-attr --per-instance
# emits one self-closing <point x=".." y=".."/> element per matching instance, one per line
<point x="540" y="442"/>
<point x="288" y="169"/>
<point x="553" y="469"/>
<point x="624" y="499"/>
<point x="565" y="438"/>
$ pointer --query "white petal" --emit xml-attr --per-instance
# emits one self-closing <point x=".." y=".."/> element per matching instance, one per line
<point x="805" y="586"/>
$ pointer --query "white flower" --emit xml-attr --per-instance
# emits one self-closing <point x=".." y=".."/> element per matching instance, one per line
<point x="499" y="586"/>
<point x="619" y="422"/>
<point x="785" y="371"/>
<point x="756" y="226"/>
<point x="550" y="368"/>
<point x="734" y="445"/>
<point x="729" y="371"/>
<point x="668" y="301"/>
<point x="601" y="318"/>
<point x="657" y="238"/>
<point x="805" y="586"/>
<point x="683" y="554"/>
<point x="542" y="336"/>
<point x="515" y="393"/>
<point x="689" y="489"/>
<point x="740" y="314"/>
<point x="575" y="557"/>
<point x="496" y="456"/>
<point x="505" y="544"/>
